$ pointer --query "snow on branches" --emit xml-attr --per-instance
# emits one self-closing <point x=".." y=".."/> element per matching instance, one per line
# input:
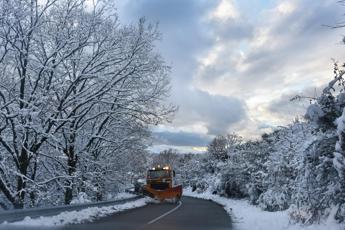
<point x="77" y="91"/>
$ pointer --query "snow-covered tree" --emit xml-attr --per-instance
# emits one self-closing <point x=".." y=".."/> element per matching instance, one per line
<point x="328" y="106"/>
<point x="166" y="157"/>
<point x="339" y="165"/>
<point x="75" y="87"/>
<point x="221" y="146"/>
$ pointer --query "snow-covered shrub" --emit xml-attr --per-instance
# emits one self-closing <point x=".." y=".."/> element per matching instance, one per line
<point x="199" y="185"/>
<point x="293" y="168"/>
<point x="300" y="215"/>
<point x="329" y="105"/>
<point x="287" y="147"/>
<point x="253" y="193"/>
<point x="81" y="198"/>
<point x="314" y="113"/>
<point x="316" y="180"/>
<point x="222" y="146"/>
<point x="339" y="166"/>
<point x="208" y="182"/>
<point x="340" y="214"/>
<point x="274" y="200"/>
<point x="254" y="158"/>
<point x="232" y="184"/>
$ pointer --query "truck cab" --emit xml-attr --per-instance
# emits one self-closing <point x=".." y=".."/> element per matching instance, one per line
<point x="160" y="178"/>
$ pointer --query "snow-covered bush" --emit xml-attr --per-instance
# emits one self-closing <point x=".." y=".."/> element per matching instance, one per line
<point x="316" y="177"/>
<point x="300" y="215"/>
<point x="272" y="200"/>
<point x="329" y="105"/>
<point x="340" y="214"/>
<point x="81" y="198"/>
<point x="290" y="168"/>
<point x="314" y="113"/>
<point x="339" y="165"/>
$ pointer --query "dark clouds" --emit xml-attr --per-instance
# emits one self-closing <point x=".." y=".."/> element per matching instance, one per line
<point x="217" y="112"/>
<point x="181" y="139"/>
<point x="170" y="12"/>
<point x="184" y="34"/>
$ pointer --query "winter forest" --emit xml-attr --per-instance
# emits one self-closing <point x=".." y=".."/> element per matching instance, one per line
<point x="79" y="92"/>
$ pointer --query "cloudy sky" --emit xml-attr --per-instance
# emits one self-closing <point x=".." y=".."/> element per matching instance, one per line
<point x="235" y="64"/>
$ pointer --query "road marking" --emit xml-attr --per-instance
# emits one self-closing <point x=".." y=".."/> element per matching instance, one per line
<point x="165" y="214"/>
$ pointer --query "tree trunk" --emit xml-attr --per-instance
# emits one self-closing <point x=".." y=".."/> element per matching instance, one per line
<point x="21" y="181"/>
<point x="72" y="168"/>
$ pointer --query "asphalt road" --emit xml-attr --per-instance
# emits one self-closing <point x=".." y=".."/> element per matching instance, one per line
<point x="189" y="214"/>
<point x="19" y="214"/>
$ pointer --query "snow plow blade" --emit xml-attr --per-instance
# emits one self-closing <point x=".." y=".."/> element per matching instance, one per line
<point x="169" y="193"/>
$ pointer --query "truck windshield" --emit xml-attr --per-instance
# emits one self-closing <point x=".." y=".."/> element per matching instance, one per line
<point x="158" y="173"/>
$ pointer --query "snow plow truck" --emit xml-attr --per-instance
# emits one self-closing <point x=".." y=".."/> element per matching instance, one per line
<point x="160" y="184"/>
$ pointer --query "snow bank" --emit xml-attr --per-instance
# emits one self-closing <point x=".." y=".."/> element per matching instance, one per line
<point x="123" y="195"/>
<point x="249" y="217"/>
<point x="75" y="217"/>
<point x="83" y="198"/>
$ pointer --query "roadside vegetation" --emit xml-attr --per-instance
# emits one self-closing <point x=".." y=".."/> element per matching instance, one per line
<point x="78" y="91"/>
<point x="299" y="167"/>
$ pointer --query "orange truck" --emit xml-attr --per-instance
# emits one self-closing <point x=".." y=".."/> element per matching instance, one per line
<point x="160" y="184"/>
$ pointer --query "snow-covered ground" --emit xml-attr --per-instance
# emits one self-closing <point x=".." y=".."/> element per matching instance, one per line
<point x="123" y="195"/>
<point x="249" y="217"/>
<point x="75" y="217"/>
<point x="82" y="197"/>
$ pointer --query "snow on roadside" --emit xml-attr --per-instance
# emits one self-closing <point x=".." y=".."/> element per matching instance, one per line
<point x="75" y="217"/>
<point x="82" y="197"/>
<point x="250" y="217"/>
<point x="123" y="195"/>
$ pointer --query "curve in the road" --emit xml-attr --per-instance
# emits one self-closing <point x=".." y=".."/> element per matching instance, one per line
<point x="165" y="214"/>
<point x="190" y="214"/>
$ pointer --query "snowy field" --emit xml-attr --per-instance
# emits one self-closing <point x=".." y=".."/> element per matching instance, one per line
<point x="250" y="217"/>
<point x="82" y="216"/>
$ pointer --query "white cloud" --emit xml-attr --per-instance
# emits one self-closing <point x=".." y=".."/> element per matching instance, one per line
<point x="234" y="67"/>
<point x="286" y="7"/>
<point x="224" y="11"/>
<point x="203" y="111"/>
<point x="289" y="51"/>
<point x="180" y="149"/>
